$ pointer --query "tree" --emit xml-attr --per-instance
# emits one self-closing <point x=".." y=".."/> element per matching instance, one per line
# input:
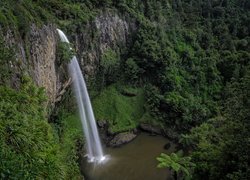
<point x="64" y="52"/>
<point x="177" y="163"/>
<point x="131" y="70"/>
<point x="186" y="140"/>
<point x="109" y="67"/>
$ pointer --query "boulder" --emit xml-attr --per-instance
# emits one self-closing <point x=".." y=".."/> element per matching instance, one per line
<point x="150" y="128"/>
<point x="122" y="138"/>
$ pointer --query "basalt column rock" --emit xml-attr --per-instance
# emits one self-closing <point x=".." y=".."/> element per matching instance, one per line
<point x="43" y="59"/>
<point x="35" y="55"/>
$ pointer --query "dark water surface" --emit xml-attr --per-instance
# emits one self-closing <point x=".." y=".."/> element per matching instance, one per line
<point x="133" y="161"/>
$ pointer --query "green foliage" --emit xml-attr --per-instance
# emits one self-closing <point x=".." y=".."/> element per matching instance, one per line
<point x="64" y="52"/>
<point x="71" y="142"/>
<point x="220" y="146"/>
<point x="28" y="149"/>
<point x="147" y="53"/>
<point x="190" y="57"/>
<point x="186" y="141"/>
<point x="109" y="67"/>
<point x="131" y="70"/>
<point x="194" y="59"/>
<point x="19" y="15"/>
<point x="177" y="163"/>
<point x="122" y="112"/>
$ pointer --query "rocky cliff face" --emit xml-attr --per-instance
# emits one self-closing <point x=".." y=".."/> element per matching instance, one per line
<point x="107" y="31"/>
<point x="36" y="55"/>
<point x="42" y="65"/>
<point x="37" y="51"/>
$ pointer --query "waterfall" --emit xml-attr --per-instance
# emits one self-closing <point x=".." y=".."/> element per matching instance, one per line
<point x="94" y="148"/>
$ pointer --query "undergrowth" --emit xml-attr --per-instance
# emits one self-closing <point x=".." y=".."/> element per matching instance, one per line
<point x="122" y="112"/>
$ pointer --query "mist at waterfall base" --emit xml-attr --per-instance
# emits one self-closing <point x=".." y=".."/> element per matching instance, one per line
<point x="94" y="147"/>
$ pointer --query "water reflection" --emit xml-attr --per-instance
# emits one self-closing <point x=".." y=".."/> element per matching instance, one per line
<point x="133" y="161"/>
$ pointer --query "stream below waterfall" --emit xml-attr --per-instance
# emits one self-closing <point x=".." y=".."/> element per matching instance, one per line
<point x="133" y="161"/>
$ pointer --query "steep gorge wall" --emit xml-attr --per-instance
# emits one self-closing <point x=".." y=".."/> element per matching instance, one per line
<point x="109" y="30"/>
<point x="42" y="67"/>
<point x="36" y="51"/>
<point x="36" y="56"/>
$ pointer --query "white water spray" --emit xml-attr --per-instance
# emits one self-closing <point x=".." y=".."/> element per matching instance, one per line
<point x="94" y="148"/>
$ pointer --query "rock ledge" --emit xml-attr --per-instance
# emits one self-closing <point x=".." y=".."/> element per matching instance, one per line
<point x="122" y="138"/>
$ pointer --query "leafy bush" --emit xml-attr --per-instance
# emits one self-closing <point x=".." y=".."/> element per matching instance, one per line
<point x="64" y="52"/>
<point x="28" y="149"/>
<point x="109" y="67"/>
<point x="131" y="70"/>
<point x="177" y="163"/>
<point x="122" y="112"/>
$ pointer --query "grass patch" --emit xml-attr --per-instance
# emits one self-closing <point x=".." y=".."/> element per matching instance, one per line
<point x="122" y="112"/>
<point x="70" y="139"/>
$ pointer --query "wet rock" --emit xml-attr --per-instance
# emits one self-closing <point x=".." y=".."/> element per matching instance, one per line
<point x="110" y="132"/>
<point x="102" y="123"/>
<point x="167" y="146"/>
<point x="122" y="138"/>
<point x="149" y="128"/>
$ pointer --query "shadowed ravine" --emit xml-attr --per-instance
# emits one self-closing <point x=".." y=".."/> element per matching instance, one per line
<point x="133" y="161"/>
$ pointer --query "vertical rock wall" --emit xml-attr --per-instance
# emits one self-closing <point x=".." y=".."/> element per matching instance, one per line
<point x="108" y="30"/>
<point x="42" y="66"/>
<point x="37" y="50"/>
<point x="36" y="55"/>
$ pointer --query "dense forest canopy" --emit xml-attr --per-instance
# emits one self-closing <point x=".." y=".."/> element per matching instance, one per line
<point x="191" y="59"/>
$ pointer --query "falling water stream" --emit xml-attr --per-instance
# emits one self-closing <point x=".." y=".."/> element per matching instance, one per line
<point x="94" y="147"/>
